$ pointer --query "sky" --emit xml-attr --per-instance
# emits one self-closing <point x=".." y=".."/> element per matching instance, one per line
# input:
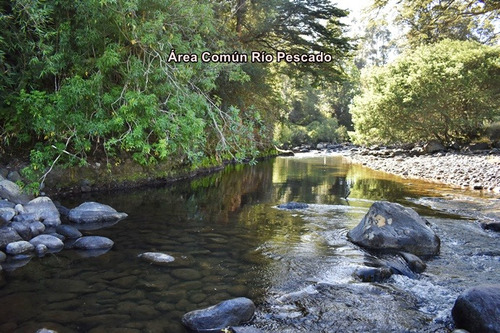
<point x="355" y="7"/>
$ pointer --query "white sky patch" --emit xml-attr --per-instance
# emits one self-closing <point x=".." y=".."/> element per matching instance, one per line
<point x="355" y="18"/>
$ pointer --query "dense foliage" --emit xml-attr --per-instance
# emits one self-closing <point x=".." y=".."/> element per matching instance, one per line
<point x="430" y="21"/>
<point x="446" y="91"/>
<point x="92" y="78"/>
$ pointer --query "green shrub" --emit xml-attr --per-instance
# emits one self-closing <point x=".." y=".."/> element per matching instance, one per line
<point x="445" y="92"/>
<point x="324" y="131"/>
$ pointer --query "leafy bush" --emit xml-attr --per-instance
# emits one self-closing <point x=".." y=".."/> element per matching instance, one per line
<point x="444" y="92"/>
<point x="324" y="131"/>
<point x="92" y="78"/>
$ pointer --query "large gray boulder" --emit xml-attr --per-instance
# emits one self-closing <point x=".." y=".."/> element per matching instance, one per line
<point x="477" y="309"/>
<point x="44" y="210"/>
<point x="93" y="243"/>
<point x="8" y="235"/>
<point x="232" y="312"/>
<point x="93" y="212"/>
<point x="390" y="226"/>
<point x="12" y="192"/>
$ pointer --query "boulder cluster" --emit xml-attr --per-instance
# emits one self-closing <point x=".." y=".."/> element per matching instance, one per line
<point x="34" y="226"/>
<point x="392" y="231"/>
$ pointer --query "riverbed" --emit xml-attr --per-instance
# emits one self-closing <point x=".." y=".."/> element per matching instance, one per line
<point x="230" y="239"/>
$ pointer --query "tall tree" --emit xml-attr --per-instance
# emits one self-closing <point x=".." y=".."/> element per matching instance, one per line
<point x="376" y="44"/>
<point x="295" y="26"/>
<point x="429" y="21"/>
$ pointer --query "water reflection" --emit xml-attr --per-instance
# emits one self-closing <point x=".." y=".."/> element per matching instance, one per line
<point x="229" y="240"/>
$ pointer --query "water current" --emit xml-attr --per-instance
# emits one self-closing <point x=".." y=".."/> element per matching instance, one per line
<point x="230" y="239"/>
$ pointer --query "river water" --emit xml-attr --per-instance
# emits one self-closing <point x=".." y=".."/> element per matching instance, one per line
<point x="230" y="239"/>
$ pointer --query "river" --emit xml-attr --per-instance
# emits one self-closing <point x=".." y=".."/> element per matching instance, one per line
<point x="230" y="239"/>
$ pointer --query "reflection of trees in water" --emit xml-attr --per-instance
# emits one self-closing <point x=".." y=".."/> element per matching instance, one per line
<point x="212" y="198"/>
<point x="378" y="189"/>
<point x="313" y="183"/>
<point x="341" y="188"/>
<point x="222" y="194"/>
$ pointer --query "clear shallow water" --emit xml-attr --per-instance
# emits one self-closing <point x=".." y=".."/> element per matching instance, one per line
<point x="230" y="240"/>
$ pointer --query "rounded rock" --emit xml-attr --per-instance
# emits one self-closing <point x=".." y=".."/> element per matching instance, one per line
<point x="93" y="243"/>
<point x="41" y="250"/>
<point x="52" y="243"/>
<point x="20" y="247"/>
<point x="93" y="212"/>
<point x="477" y="309"/>
<point x="232" y="312"/>
<point x="157" y="258"/>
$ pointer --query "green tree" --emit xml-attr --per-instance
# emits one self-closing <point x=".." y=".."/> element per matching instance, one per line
<point x="375" y="45"/>
<point x="445" y="92"/>
<point x="430" y="21"/>
<point x="297" y="26"/>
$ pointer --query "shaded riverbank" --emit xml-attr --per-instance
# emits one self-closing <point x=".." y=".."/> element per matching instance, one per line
<point x="99" y="176"/>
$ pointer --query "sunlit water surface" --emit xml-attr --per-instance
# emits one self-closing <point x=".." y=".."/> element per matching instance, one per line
<point x="229" y="240"/>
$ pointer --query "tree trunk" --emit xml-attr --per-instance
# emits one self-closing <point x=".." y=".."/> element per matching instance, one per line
<point x="240" y="13"/>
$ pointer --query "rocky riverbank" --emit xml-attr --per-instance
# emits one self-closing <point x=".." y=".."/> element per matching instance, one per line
<point x="471" y="169"/>
<point x="34" y="226"/>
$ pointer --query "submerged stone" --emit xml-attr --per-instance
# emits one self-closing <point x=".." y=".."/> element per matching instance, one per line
<point x="373" y="274"/>
<point x="415" y="263"/>
<point x="157" y="258"/>
<point x="494" y="226"/>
